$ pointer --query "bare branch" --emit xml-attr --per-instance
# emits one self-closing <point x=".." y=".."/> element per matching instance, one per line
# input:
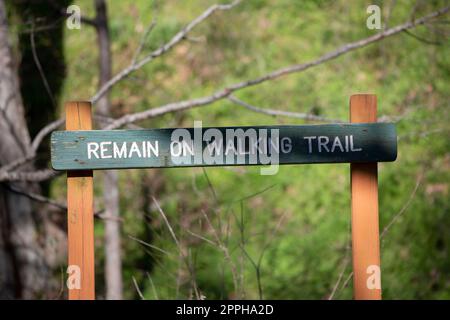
<point x="137" y="289"/>
<point x="32" y="176"/>
<point x="16" y="163"/>
<point x="421" y="134"/>
<point x="226" y="92"/>
<point x="43" y="133"/>
<point x="172" y="233"/>
<point x="143" y="40"/>
<point x="63" y="206"/>
<point x="34" y="146"/>
<point x="405" y="206"/>
<point x="257" y="264"/>
<point x="153" y="286"/>
<point x="225" y="251"/>
<point x="135" y="65"/>
<point x="345" y="284"/>
<point x="196" y="235"/>
<point x="42" y="28"/>
<point x="275" y="113"/>
<point x="149" y="245"/>
<point x="39" y="67"/>
<point x="36" y="197"/>
<point x="210" y="186"/>
<point x="426" y="41"/>
<point x="345" y="263"/>
<point x="182" y="255"/>
<point x="105" y="119"/>
<point x="306" y="116"/>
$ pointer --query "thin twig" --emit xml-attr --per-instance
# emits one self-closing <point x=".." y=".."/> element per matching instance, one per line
<point x="257" y="193"/>
<point x="45" y="131"/>
<point x="63" y="206"/>
<point x="32" y="176"/>
<point x="282" y="113"/>
<point x="35" y="29"/>
<point x="220" y="244"/>
<point x="143" y="40"/>
<point x="257" y="264"/>
<point x="345" y="263"/>
<point x="34" y="146"/>
<point x="211" y="187"/>
<point x="39" y="67"/>
<point x="36" y="197"/>
<point x="153" y="286"/>
<point x="183" y="257"/>
<point x="202" y="238"/>
<point x="404" y="208"/>
<point x="149" y="245"/>
<point x="257" y="270"/>
<point x="137" y="289"/>
<point x="172" y="233"/>
<point x="426" y="41"/>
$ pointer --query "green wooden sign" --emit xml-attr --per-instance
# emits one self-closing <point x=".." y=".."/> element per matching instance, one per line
<point x="223" y="146"/>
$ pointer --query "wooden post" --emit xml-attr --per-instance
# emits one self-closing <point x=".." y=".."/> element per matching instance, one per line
<point x="80" y="215"/>
<point x="364" y="193"/>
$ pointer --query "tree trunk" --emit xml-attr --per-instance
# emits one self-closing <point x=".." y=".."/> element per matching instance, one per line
<point x="41" y="89"/>
<point x="23" y="272"/>
<point x="113" y="260"/>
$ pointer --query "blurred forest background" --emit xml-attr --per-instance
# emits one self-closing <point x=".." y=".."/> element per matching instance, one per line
<point x="234" y="233"/>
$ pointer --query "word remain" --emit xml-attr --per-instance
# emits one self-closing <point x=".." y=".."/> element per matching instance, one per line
<point x="117" y="150"/>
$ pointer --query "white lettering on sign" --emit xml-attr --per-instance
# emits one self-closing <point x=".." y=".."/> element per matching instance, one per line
<point x="124" y="150"/>
<point x="325" y="144"/>
<point x="268" y="146"/>
<point x="286" y="145"/>
<point x="239" y="145"/>
<point x="120" y="152"/>
<point x="104" y="150"/>
<point x="235" y="146"/>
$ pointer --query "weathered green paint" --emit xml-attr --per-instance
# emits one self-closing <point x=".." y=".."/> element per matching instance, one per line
<point x="367" y="142"/>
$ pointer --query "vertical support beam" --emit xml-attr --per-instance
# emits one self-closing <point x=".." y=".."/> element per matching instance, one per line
<point x="80" y="214"/>
<point x="364" y="198"/>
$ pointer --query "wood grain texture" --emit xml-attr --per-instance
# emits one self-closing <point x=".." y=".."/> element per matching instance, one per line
<point x="80" y="213"/>
<point x="364" y="199"/>
<point x="377" y="140"/>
